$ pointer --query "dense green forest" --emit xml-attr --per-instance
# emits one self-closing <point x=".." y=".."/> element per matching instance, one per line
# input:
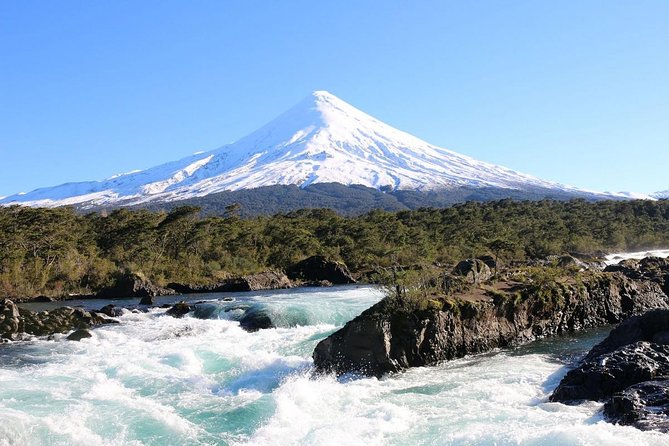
<point x="58" y="251"/>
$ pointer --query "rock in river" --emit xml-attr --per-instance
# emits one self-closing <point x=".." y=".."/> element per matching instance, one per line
<point x="389" y="337"/>
<point x="80" y="334"/>
<point x="644" y="406"/>
<point x="255" y="319"/>
<point x="629" y="370"/>
<point x="15" y="321"/>
<point x="600" y="377"/>
<point x="179" y="309"/>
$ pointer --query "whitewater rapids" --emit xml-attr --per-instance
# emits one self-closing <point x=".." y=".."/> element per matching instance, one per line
<point x="156" y="380"/>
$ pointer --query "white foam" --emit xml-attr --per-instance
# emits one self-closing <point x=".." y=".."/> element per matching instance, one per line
<point x="153" y="379"/>
<point x="614" y="258"/>
<point x="495" y="399"/>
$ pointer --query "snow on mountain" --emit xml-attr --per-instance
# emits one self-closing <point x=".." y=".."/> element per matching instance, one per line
<point x="661" y="194"/>
<point x="632" y="195"/>
<point x="320" y="140"/>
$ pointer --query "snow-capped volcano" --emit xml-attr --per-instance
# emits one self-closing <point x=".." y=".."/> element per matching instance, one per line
<point x="320" y="140"/>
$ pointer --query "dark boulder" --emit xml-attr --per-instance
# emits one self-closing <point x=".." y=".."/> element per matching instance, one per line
<point x="60" y="320"/>
<point x="652" y="326"/>
<point x="629" y="267"/>
<point x="147" y="300"/>
<point x="111" y="311"/>
<point x="474" y="271"/>
<point x="644" y="406"/>
<point x="80" y="334"/>
<point x="602" y="376"/>
<point x="630" y="370"/>
<point x="133" y="285"/>
<point x="254" y="320"/>
<point x="179" y="309"/>
<point x="317" y="268"/>
<point x="43" y="299"/>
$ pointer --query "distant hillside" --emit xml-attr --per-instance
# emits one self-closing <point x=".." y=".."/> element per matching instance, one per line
<point x="350" y="200"/>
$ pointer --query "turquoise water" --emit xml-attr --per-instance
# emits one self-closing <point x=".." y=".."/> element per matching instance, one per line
<point x="156" y="380"/>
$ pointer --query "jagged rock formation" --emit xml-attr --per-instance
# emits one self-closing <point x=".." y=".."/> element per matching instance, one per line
<point x="389" y="337"/>
<point x="644" y="406"/>
<point x="15" y="321"/>
<point x="629" y="370"/>
<point x="652" y="326"/>
<point x="604" y="375"/>
<point x="133" y="285"/>
<point x="316" y="269"/>
<point x="655" y="269"/>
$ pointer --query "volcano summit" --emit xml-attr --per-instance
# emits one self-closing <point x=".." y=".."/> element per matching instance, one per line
<point x="322" y="139"/>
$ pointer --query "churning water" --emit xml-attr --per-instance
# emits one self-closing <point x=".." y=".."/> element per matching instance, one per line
<point x="156" y="380"/>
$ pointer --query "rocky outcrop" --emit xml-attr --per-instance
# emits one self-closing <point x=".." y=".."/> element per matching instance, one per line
<point x="80" y="334"/>
<point x="655" y="269"/>
<point x="268" y="280"/>
<point x="10" y="319"/>
<point x="474" y="271"/>
<point x="568" y="261"/>
<point x="602" y="376"/>
<point x="320" y="268"/>
<point x="644" y="406"/>
<point x="389" y="337"/>
<point x="15" y="321"/>
<point x="629" y="370"/>
<point x="133" y="285"/>
<point x="652" y="326"/>
<point x="178" y="310"/>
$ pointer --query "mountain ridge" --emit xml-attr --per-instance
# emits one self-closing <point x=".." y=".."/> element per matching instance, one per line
<point x="322" y="139"/>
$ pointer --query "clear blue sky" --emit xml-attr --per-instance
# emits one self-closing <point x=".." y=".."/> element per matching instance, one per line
<point x="573" y="91"/>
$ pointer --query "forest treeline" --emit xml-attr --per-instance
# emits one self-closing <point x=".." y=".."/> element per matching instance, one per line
<point x="59" y="251"/>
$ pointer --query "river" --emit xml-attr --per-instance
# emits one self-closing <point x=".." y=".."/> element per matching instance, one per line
<point x="157" y="380"/>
